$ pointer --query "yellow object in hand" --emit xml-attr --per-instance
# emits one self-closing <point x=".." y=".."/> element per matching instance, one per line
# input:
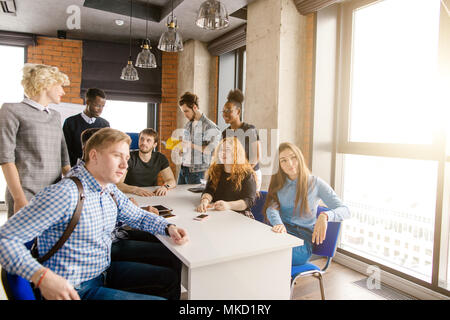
<point x="172" y="143"/>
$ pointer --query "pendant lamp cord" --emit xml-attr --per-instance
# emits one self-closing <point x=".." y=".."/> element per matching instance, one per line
<point x="131" y="13"/>
<point x="146" y="21"/>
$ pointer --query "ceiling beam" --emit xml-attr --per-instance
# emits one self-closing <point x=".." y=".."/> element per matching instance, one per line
<point x="140" y="10"/>
<point x="167" y="9"/>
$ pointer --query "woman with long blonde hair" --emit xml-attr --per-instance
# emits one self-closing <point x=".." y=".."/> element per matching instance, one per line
<point x="292" y="200"/>
<point x="231" y="181"/>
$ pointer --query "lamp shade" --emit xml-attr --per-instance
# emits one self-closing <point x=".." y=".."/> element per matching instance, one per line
<point x="171" y="40"/>
<point x="146" y="59"/>
<point x="212" y="15"/>
<point x="129" y="73"/>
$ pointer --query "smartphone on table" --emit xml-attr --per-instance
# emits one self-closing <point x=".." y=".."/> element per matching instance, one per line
<point x="202" y="217"/>
<point x="164" y="211"/>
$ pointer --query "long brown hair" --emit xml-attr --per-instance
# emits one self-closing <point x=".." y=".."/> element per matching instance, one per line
<point x="278" y="180"/>
<point x="240" y="167"/>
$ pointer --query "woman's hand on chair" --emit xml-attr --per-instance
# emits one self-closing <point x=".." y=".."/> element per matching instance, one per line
<point x="279" y="228"/>
<point x="320" y="229"/>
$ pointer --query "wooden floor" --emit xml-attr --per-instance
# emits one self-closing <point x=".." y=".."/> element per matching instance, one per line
<point x="338" y="283"/>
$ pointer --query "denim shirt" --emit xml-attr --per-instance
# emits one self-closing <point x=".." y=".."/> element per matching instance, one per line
<point x="318" y="190"/>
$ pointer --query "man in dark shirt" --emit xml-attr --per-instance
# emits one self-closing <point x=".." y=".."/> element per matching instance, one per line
<point x="89" y="118"/>
<point x="143" y="168"/>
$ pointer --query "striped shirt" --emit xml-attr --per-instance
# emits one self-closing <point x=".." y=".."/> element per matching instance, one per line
<point x="87" y="253"/>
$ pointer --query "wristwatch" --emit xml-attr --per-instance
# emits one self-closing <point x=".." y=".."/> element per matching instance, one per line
<point x="167" y="228"/>
<point x="167" y="186"/>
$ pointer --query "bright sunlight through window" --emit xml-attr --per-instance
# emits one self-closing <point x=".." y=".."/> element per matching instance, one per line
<point x="394" y="72"/>
<point x="395" y="98"/>
<point x="126" y="116"/>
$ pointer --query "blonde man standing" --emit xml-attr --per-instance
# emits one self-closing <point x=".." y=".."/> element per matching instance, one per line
<point x="33" y="151"/>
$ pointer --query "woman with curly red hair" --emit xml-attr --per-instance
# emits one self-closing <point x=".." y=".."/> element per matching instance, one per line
<point x="231" y="181"/>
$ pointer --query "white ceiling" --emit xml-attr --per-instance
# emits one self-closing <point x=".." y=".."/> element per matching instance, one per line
<point x="45" y="17"/>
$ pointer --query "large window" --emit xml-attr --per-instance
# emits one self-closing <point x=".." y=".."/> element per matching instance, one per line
<point x="393" y="129"/>
<point x="127" y="116"/>
<point x="11" y="65"/>
<point x="231" y="76"/>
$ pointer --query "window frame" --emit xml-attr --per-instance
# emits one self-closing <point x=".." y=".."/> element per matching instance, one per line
<point x="436" y="151"/>
<point x="239" y="77"/>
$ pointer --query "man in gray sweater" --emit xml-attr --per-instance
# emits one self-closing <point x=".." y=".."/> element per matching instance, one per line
<point x="33" y="151"/>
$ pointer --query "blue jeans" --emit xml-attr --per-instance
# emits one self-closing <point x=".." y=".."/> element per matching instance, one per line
<point x="300" y="254"/>
<point x="124" y="281"/>
<point x="186" y="177"/>
<point x="145" y="248"/>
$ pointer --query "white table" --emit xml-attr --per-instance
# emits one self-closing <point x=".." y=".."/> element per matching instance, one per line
<point x="228" y="256"/>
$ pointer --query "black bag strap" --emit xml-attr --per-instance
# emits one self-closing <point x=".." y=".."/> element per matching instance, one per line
<point x="72" y="224"/>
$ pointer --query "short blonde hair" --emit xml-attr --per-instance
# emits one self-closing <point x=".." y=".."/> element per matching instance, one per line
<point x="102" y="139"/>
<point x="38" y="77"/>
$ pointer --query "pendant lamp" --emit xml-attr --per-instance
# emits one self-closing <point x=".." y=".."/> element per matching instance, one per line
<point x="171" y="40"/>
<point x="212" y="15"/>
<point x="146" y="59"/>
<point x="129" y="73"/>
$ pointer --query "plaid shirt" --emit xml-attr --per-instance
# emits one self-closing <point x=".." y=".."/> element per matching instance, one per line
<point x="204" y="133"/>
<point x="87" y="253"/>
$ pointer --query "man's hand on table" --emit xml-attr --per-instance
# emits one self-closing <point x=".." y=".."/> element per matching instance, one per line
<point x="178" y="235"/>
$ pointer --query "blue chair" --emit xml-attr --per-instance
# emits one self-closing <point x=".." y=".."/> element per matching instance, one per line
<point x="17" y="288"/>
<point x="134" y="140"/>
<point x="326" y="249"/>
<point x="258" y="206"/>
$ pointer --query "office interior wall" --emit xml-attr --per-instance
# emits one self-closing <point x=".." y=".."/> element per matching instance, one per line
<point x="276" y="82"/>
<point x="65" y="54"/>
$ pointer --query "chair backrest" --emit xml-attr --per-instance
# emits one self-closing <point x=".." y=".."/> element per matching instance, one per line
<point x="16" y="287"/>
<point x="134" y="140"/>
<point x="258" y="206"/>
<point x="328" y="246"/>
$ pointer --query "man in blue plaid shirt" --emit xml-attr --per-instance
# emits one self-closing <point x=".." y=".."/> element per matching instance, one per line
<point x="82" y="268"/>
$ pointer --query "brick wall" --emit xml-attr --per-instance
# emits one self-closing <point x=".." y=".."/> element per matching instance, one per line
<point x="169" y="103"/>
<point x="67" y="56"/>
<point x="307" y="116"/>
<point x="64" y="54"/>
